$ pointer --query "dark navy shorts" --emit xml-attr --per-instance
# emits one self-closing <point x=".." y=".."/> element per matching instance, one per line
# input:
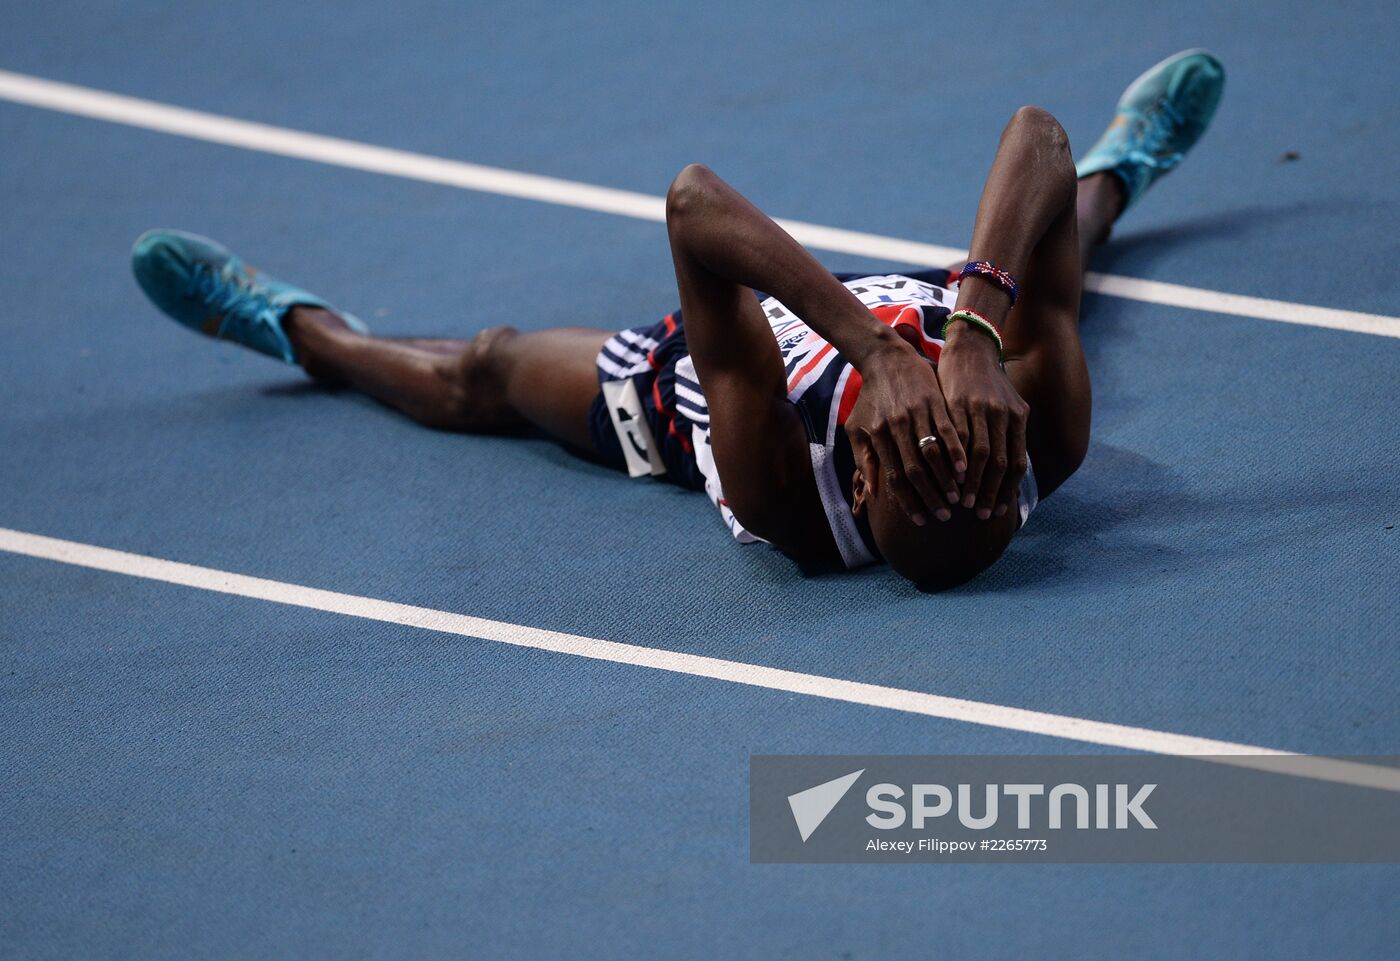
<point x="647" y="356"/>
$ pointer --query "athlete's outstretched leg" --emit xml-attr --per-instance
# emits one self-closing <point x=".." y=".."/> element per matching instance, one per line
<point x="500" y="381"/>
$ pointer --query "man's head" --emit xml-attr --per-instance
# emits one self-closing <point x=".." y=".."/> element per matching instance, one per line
<point x="939" y="555"/>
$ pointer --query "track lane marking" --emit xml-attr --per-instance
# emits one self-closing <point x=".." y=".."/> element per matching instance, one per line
<point x="736" y="672"/>
<point x="282" y="141"/>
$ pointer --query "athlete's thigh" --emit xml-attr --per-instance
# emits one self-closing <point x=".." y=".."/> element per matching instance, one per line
<point x="552" y="379"/>
<point x="1044" y="358"/>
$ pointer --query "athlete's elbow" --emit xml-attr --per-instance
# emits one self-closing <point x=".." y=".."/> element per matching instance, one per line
<point x="1039" y="124"/>
<point x="1038" y="130"/>
<point x="691" y="193"/>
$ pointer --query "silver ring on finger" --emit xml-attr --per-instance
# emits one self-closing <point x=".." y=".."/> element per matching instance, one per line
<point x="926" y="442"/>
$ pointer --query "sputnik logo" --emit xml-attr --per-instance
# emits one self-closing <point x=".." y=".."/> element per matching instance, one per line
<point x="810" y="807"/>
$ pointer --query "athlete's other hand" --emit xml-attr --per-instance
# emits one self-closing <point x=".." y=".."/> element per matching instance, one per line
<point x="990" y="419"/>
<point x="900" y="402"/>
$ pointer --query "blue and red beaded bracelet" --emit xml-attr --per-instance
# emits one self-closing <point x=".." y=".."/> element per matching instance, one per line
<point x="990" y="271"/>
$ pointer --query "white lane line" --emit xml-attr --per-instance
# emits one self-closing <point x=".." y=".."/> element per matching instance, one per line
<point x="150" y="115"/>
<point x="736" y="672"/>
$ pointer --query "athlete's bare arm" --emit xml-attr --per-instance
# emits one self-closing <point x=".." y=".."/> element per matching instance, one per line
<point x="1029" y="196"/>
<point x="1027" y="223"/>
<point x="724" y="247"/>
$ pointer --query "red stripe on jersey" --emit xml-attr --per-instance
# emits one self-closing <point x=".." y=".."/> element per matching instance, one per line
<point x="806" y="368"/>
<point x="848" y="397"/>
<point x="908" y="321"/>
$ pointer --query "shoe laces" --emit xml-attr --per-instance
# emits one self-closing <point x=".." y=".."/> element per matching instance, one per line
<point x="1155" y="128"/>
<point x="231" y="296"/>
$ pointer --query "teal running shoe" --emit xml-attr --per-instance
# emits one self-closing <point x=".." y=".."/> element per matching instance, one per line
<point x="201" y="284"/>
<point x="1160" y="116"/>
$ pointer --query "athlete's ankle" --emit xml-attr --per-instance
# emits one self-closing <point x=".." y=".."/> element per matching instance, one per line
<point x="1101" y="200"/>
<point x="1106" y="192"/>
<point x="311" y="331"/>
<point x="303" y="317"/>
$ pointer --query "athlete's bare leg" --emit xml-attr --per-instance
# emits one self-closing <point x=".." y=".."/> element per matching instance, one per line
<point x="500" y="381"/>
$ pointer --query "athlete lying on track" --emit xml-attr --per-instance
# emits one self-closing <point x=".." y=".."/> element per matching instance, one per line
<point x="832" y="416"/>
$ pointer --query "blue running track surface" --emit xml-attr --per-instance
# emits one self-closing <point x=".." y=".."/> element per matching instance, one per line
<point x="187" y="774"/>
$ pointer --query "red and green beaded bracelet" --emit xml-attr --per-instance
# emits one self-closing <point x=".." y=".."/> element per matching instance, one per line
<point x="981" y="323"/>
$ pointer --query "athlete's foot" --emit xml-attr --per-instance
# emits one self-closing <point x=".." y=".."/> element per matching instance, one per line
<point x="1160" y="117"/>
<point x="202" y="285"/>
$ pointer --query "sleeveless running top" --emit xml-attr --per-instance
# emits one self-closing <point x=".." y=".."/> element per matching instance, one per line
<point x="823" y="387"/>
